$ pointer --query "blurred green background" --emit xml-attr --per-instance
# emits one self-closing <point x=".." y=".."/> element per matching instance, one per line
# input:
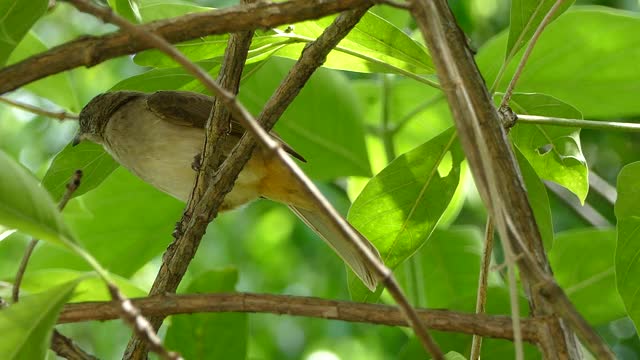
<point x="269" y="248"/>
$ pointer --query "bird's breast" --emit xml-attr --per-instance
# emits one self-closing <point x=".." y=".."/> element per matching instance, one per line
<point x="162" y="154"/>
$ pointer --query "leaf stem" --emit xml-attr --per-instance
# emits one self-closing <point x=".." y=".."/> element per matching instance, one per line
<point x="584" y="124"/>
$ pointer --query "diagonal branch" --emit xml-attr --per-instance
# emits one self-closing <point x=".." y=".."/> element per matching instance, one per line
<point x="328" y="40"/>
<point x="498" y="178"/>
<point x="92" y="50"/>
<point x="495" y="326"/>
<point x="179" y="254"/>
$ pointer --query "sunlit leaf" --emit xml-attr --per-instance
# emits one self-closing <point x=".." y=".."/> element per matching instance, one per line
<point x="595" y="71"/>
<point x="212" y="336"/>
<point x="400" y="207"/>
<point x="16" y="18"/>
<point x="374" y="45"/>
<point x="26" y="327"/>
<point x="553" y="151"/>
<point x="26" y="206"/>
<point x="627" y="261"/>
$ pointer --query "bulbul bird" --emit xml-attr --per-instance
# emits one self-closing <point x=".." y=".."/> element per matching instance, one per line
<point x="157" y="137"/>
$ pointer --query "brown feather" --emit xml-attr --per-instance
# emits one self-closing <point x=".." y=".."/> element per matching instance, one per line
<point x="193" y="109"/>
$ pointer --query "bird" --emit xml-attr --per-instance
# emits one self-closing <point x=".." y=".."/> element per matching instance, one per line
<point x="157" y="136"/>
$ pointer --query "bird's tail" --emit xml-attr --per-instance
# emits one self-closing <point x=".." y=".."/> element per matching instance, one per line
<point x="331" y="233"/>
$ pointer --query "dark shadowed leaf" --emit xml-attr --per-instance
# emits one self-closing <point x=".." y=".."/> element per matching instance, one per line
<point x="210" y="336"/>
<point x="583" y="264"/>
<point x="538" y="199"/>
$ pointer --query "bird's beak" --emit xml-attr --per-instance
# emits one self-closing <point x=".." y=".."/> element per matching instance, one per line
<point x="76" y="139"/>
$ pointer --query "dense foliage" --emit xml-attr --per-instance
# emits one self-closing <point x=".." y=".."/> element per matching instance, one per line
<point x="379" y="142"/>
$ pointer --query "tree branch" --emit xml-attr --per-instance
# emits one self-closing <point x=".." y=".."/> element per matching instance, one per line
<point x="181" y="251"/>
<point x="313" y="55"/>
<point x="494" y="326"/>
<point x="92" y="50"/>
<point x="60" y="115"/>
<point x="498" y="178"/>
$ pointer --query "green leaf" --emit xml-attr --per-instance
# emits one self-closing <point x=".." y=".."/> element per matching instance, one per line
<point x="444" y="272"/>
<point x="553" y="151"/>
<point x="26" y="206"/>
<point x="95" y="163"/>
<point x="452" y="355"/>
<point x="400" y="207"/>
<point x="526" y="16"/>
<point x="163" y="79"/>
<point x="92" y="288"/>
<point x="595" y="71"/>
<point x="127" y="9"/>
<point x="151" y="10"/>
<point x="583" y="281"/>
<point x="628" y="241"/>
<point x="538" y="199"/>
<point x="123" y="216"/>
<point x="26" y="327"/>
<point x="374" y="45"/>
<point x="65" y="94"/>
<point x="17" y="17"/>
<point x="210" y="336"/>
<point x="323" y="123"/>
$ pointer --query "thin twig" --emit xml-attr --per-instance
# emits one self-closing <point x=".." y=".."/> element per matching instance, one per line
<point x="140" y="325"/>
<point x="60" y="115"/>
<point x="347" y="21"/>
<point x="481" y="299"/>
<point x="92" y="50"/>
<point x="579" y="123"/>
<point x="494" y="326"/>
<point x="534" y="39"/>
<point x="66" y="348"/>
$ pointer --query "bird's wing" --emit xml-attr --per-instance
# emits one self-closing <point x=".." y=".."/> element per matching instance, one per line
<point x="193" y="109"/>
